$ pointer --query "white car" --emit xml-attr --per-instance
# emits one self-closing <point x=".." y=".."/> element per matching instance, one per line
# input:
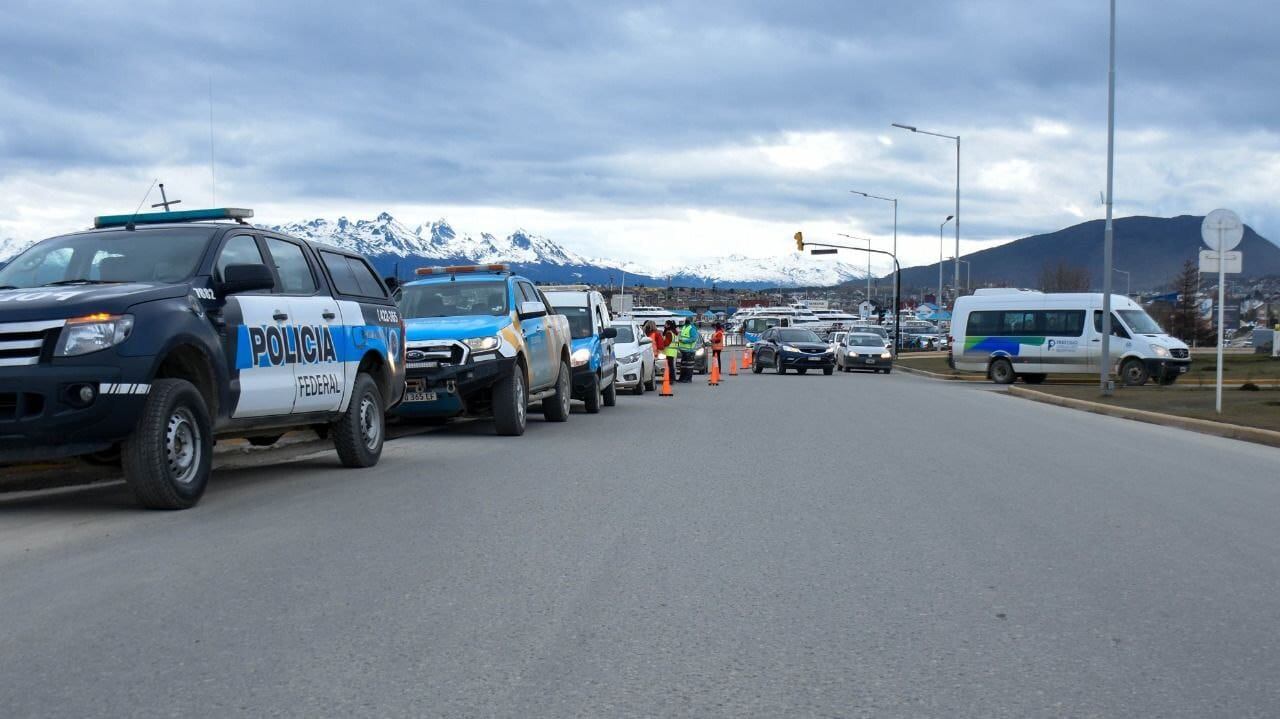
<point x="635" y="358"/>
<point x="863" y="350"/>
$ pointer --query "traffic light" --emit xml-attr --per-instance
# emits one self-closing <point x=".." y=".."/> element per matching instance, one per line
<point x="799" y="242"/>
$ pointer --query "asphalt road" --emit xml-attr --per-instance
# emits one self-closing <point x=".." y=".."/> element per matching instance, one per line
<point x="778" y="546"/>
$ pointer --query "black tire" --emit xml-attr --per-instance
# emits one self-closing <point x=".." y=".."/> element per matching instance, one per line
<point x="358" y="434"/>
<point x="592" y="398"/>
<point x="1001" y="371"/>
<point x="756" y="368"/>
<point x="167" y="458"/>
<point x="777" y="367"/>
<point x="610" y="397"/>
<point x="1133" y="373"/>
<point x="652" y="384"/>
<point x="556" y="407"/>
<point x="802" y="370"/>
<point x="511" y="404"/>
<point x="888" y="371"/>
<point x="639" y="388"/>
<point x="1033" y="378"/>
<point x="828" y="371"/>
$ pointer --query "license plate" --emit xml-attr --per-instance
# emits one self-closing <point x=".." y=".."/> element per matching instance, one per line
<point x="871" y="360"/>
<point x="1182" y="369"/>
<point x="419" y="396"/>
<point x="815" y="359"/>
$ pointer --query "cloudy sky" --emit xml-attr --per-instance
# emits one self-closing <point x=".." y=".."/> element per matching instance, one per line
<point x="660" y="133"/>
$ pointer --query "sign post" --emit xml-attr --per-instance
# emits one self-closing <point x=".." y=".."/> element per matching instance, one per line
<point x="1221" y="231"/>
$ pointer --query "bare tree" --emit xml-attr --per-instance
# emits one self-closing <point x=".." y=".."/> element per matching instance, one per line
<point x="1064" y="277"/>
<point x="1185" y="321"/>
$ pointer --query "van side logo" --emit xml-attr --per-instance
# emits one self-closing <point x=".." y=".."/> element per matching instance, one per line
<point x="271" y="345"/>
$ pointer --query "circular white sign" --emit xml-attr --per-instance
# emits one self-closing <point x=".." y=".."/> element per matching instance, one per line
<point x="1222" y="230"/>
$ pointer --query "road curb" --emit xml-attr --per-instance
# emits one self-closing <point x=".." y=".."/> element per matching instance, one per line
<point x="931" y="375"/>
<point x="1203" y="426"/>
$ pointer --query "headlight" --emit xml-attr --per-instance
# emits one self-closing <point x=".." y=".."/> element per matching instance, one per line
<point x="789" y="348"/>
<point x="1160" y="351"/>
<point x="580" y="357"/>
<point x="886" y="355"/>
<point x="483" y="344"/>
<point x="701" y="351"/>
<point x="630" y="358"/>
<point x="95" y="332"/>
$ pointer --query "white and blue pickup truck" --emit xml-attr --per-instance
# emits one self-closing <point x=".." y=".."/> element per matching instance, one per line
<point x="483" y="342"/>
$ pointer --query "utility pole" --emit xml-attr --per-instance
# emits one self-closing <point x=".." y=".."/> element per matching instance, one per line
<point x="1104" y="373"/>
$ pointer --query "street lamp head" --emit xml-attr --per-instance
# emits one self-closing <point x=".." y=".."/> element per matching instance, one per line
<point x="949" y="218"/>
<point x="858" y="193"/>
<point x="905" y="127"/>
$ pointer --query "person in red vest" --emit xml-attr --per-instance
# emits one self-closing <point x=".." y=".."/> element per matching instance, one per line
<point x="717" y="344"/>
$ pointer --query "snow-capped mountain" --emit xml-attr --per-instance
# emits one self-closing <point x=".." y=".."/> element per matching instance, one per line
<point x="10" y="247"/>
<point x="786" y="270"/>
<point x="393" y="247"/>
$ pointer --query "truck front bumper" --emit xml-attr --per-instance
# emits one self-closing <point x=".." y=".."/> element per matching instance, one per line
<point x="1167" y="368"/>
<point x="452" y="389"/>
<point x="43" y="417"/>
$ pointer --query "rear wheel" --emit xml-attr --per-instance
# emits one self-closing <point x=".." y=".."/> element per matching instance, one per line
<point x="828" y="371"/>
<point x="652" y="383"/>
<point x="359" y="432"/>
<point x="1001" y="371"/>
<point x="556" y="407"/>
<point x="1134" y="372"/>
<point x="611" y="394"/>
<point x="167" y="458"/>
<point x="757" y="368"/>
<point x="802" y="370"/>
<point x="511" y="404"/>
<point x="1033" y="378"/>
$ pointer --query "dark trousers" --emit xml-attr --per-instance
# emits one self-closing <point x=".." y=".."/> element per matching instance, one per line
<point x="671" y="367"/>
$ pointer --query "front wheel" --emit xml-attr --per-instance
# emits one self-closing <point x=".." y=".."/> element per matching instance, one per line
<point x="1134" y="373"/>
<point x="592" y="398"/>
<point x="611" y="394"/>
<point x="757" y="368"/>
<point x="828" y="371"/>
<point x="358" y="433"/>
<point x="1002" y="371"/>
<point x="168" y="457"/>
<point x="511" y="404"/>
<point x="556" y="407"/>
<point x="777" y="367"/>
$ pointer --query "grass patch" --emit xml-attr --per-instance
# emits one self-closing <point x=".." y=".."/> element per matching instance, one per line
<point x="1259" y="409"/>
<point x="1236" y="368"/>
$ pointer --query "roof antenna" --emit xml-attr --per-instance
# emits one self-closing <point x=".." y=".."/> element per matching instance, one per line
<point x="165" y="201"/>
<point x="129" y="225"/>
<point x="213" y="175"/>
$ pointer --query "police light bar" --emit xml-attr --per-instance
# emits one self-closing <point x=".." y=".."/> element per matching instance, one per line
<point x="152" y="218"/>
<point x="461" y="269"/>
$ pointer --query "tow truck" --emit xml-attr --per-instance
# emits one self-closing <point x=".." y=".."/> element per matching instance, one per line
<point x="482" y="341"/>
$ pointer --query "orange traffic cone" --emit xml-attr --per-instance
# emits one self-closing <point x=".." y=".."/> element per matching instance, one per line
<point x="733" y="366"/>
<point x="666" y="385"/>
<point x="714" y="378"/>
<point x="746" y="359"/>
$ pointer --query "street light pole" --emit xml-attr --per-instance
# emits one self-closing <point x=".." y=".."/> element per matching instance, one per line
<point x="944" y="224"/>
<point x="1104" y="372"/>
<point x="912" y="128"/>
<point x="897" y="270"/>
<point x="868" y="241"/>
<point x="894" y="200"/>
<point x="1128" y="284"/>
<point x="968" y="273"/>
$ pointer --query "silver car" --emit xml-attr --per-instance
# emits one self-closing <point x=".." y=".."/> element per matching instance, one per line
<point x="863" y="350"/>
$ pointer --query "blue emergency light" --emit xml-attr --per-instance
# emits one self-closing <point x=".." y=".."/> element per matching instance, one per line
<point x="153" y="218"/>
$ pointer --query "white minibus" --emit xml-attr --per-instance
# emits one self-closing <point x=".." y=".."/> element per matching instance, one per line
<point x="1010" y="333"/>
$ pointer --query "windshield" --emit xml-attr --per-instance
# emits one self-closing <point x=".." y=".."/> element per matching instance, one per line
<point x="579" y="321"/>
<point x="454" y="299"/>
<point x="866" y="341"/>
<point x="147" y="255"/>
<point x="1140" y="322"/>
<point x="797" y="336"/>
<point x="625" y="334"/>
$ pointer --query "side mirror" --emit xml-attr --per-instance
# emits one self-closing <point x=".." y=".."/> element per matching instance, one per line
<point x="608" y="333"/>
<point x="245" y="278"/>
<point x="531" y="309"/>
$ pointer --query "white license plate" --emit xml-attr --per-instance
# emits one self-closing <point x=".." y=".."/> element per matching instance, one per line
<point x="815" y="359"/>
<point x="1182" y="369"/>
<point x="419" y="396"/>
<point x="871" y="360"/>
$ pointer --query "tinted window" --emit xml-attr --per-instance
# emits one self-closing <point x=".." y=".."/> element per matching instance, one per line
<point x="291" y="265"/>
<point x="983" y="323"/>
<point x="527" y="293"/>
<point x="624" y="333"/>
<point x="1018" y="323"/>
<point x="579" y="321"/>
<point x="866" y="341"/>
<point x="370" y="286"/>
<point x="343" y="279"/>
<point x="797" y="336"/>
<point x="1062" y="323"/>
<point x="239" y="250"/>
<point x="1117" y="330"/>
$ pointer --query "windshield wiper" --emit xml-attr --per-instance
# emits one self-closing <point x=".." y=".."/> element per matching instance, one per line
<point x="82" y="280"/>
<point x="8" y="287"/>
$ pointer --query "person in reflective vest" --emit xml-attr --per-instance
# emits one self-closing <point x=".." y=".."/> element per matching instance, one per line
<point x="717" y="345"/>
<point x="669" y="347"/>
<point x="687" y="344"/>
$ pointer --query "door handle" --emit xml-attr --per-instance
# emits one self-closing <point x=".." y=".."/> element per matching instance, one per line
<point x="328" y="315"/>
<point x="279" y="316"/>
<point x="1095" y="340"/>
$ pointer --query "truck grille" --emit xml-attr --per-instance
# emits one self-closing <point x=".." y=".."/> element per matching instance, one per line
<point x="434" y="354"/>
<point x="1180" y="353"/>
<point x="21" y="343"/>
<point x="19" y="405"/>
